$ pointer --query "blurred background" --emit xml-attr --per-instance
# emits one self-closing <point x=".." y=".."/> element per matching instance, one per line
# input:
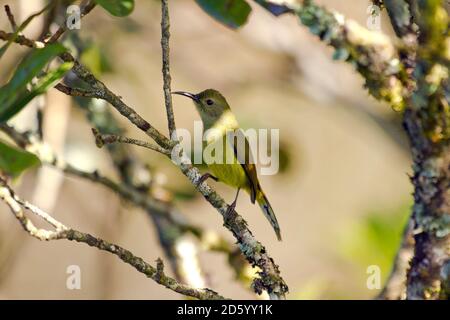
<point x="342" y="195"/>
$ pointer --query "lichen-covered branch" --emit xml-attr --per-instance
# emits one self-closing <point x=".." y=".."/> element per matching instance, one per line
<point x="270" y="278"/>
<point x="372" y="53"/>
<point x="18" y="206"/>
<point x="401" y="17"/>
<point x="427" y="123"/>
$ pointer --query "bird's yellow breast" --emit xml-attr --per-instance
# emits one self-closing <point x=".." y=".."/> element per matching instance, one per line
<point x="228" y="172"/>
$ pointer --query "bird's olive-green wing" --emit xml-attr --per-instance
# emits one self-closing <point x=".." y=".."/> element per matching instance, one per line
<point x="243" y="153"/>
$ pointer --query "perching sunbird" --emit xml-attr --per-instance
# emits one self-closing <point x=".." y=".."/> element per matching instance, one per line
<point x="240" y="172"/>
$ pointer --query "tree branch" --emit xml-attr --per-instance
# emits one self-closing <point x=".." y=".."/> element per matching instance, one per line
<point x="75" y="92"/>
<point x="401" y="17"/>
<point x="372" y="53"/>
<point x="11" y="18"/>
<point x="427" y="123"/>
<point x="47" y="156"/>
<point x="395" y="287"/>
<point x="165" y="36"/>
<point x="62" y="232"/>
<point x="102" y="139"/>
<point x="20" y="39"/>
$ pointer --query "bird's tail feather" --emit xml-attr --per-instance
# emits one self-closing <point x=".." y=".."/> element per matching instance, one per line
<point x="268" y="212"/>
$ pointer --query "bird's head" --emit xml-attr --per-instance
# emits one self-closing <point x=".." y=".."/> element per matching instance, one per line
<point x="210" y="104"/>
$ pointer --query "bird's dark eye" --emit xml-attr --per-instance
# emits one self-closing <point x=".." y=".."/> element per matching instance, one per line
<point x="209" y="102"/>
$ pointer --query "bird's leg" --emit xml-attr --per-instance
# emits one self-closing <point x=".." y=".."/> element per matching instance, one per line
<point x="205" y="177"/>
<point x="232" y="206"/>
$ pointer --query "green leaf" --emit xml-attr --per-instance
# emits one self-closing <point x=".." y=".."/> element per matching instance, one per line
<point x="14" y="161"/>
<point x="232" y="13"/>
<point x="12" y="94"/>
<point x="118" y="8"/>
<point x="41" y="87"/>
<point x="274" y="8"/>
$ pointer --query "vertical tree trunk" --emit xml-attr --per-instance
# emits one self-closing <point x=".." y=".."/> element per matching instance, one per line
<point x="429" y="271"/>
<point x="427" y="123"/>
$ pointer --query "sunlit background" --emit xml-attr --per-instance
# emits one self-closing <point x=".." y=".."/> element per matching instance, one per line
<point x="342" y="194"/>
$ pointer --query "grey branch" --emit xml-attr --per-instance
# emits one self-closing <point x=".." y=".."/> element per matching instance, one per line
<point x="427" y="123"/>
<point x="75" y="92"/>
<point x="86" y="7"/>
<point x="372" y="53"/>
<point x="47" y="156"/>
<point x="17" y="207"/>
<point x="102" y="139"/>
<point x="395" y="287"/>
<point x="11" y="18"/>
<point x="165" y="36"/>
<point x="401" y="17"/>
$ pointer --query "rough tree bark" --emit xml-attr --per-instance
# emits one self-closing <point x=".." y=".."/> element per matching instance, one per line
<point x="427" y="123"/>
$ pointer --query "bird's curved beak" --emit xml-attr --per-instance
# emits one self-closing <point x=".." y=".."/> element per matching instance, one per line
<point x="187" y="94"/>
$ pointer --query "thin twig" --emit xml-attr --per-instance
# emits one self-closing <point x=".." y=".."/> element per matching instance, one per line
<point x="9" y="197"/>
<point x="395" y="287"/>
<point x="47" y="156"/>
<point x="103" y="92"/>
<point x="372" y="53"/>
<point x="17" y="207"/>
<point x="165" y="36"/>
<point x="102" y="139"/>
<point x="85" y="9"/>
<point x="20" y="39"/>
<point x="75" y="92"/>
<point x="11" y="19"/>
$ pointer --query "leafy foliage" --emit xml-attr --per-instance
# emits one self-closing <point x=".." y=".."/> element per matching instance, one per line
<point x="118" y="8"/>
<point x="14" y="161"/>
<point x="14" y="96"/>
<point x="232" y="13"/>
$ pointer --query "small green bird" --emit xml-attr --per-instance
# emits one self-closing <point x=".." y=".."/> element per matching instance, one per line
<point x="241" y="171"/>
